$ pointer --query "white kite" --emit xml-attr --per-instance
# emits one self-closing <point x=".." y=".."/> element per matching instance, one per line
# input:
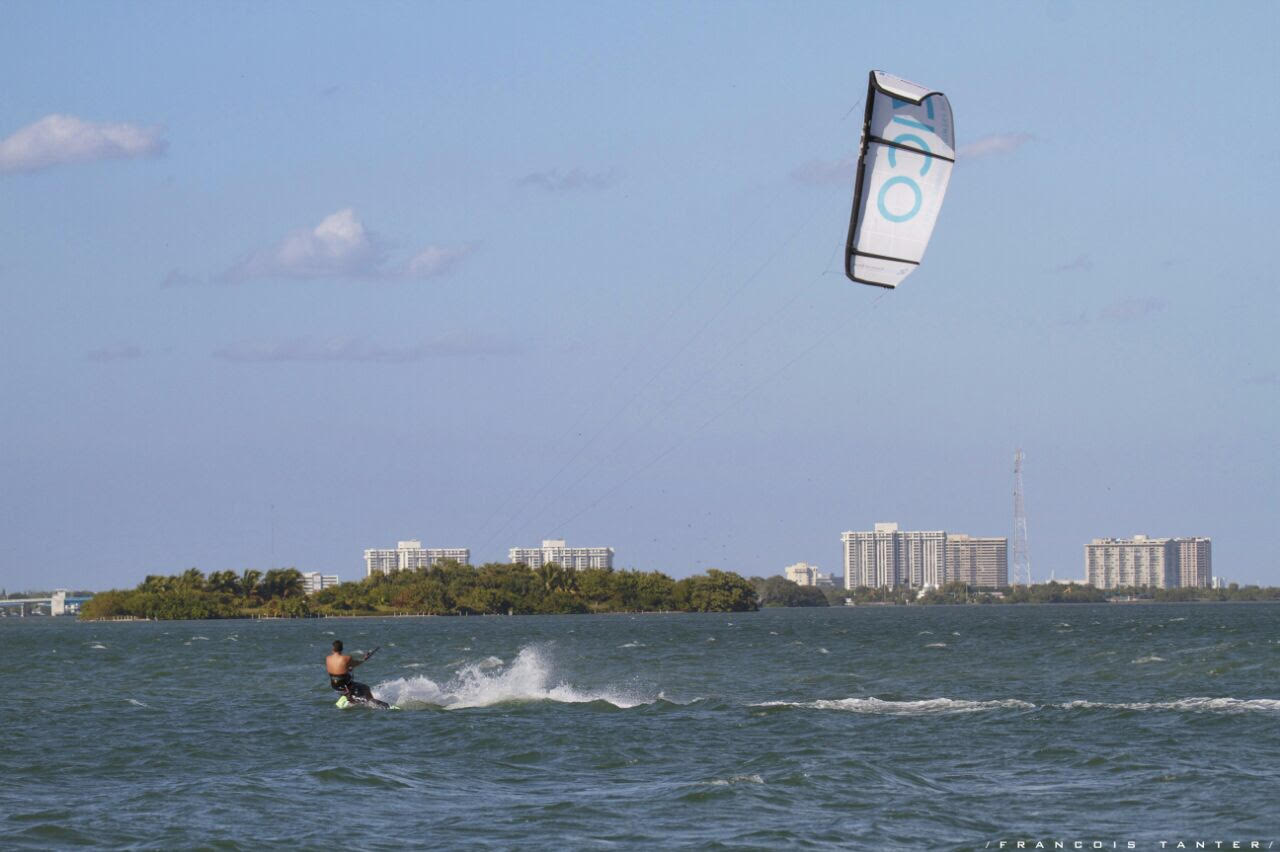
<point x="908" y="151"/>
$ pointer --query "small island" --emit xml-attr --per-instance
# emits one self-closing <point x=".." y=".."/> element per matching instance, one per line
<point x="499" y="588"/>
<point x="447" y="588"/>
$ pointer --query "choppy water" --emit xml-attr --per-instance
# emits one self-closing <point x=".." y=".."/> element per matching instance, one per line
<point x="947" y="727"/>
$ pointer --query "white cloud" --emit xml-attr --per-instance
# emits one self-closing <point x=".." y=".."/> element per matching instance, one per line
<point x="822" y="172"/>
<point x="575" y="179"/>
<point x="1079" y="263"/>
<point x="993" y="145"/>
<point x="1127" y="310"/>
<point x="1122" y="310"/>
<point x="57" y="139"/>
<point x="341" y="247"/>
<point x="116" y="352"/>
<point x="177" y="278"/>
<point x="434" y="260"/>
<point x="338" y="247"/>
<point x="352" y="349"/>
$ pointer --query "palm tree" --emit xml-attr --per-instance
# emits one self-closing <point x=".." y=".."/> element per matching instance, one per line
<point x="192" y="579"/>
<point x="225" y="582"/>
<point x="249" y="581"/>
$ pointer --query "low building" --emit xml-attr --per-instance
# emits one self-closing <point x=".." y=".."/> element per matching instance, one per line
<point x="411" y="555"/>
<point x="977" y="561"/>
<point x="554" y="550"/>
<point x="314" y="581"/>
<point x="1139" y="561"/>
<point x="804" y="574"/>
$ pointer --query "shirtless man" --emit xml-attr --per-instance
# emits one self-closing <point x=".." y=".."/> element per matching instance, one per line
<point x="339" y="666"/>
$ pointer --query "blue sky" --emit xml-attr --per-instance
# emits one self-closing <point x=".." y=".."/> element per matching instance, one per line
<point x="282" y="282"/>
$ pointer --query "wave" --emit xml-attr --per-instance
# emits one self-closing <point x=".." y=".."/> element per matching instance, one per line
<point x="938" y="706"/>
<point x="528" y="678"/>
<point x="936" y="645"/>
<point x="753" y="778"/>
<point x="1151" y="659"/>
<point x="1195" y="705"/>
<point x="925" y="707"/>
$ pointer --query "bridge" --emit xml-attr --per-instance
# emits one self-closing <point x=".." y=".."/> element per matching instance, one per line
<point x="57" y="604"/>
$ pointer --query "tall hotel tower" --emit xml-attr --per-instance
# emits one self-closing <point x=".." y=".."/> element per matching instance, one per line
<point x="410" y="555"/>
<point x="889" y="557"/>
<point x="554" y="550"/>
<point x="1164" y="563"/>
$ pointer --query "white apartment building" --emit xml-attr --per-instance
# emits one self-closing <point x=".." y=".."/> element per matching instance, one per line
<point x="889" y="557"/>
<point x="554" y="550"/>
<point x="314" y="581"/>
<point x="872" y="558"/>
<point x="409" y="556"/>
<point x="1137" y="561"/>
<point x="804" y="574"/>
<point x="1165" y="563"/>
<point x="977" y="561"/>
<point x="1195" y="562"/>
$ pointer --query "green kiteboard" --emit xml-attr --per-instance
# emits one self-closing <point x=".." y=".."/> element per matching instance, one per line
<point x="343" y="703"/>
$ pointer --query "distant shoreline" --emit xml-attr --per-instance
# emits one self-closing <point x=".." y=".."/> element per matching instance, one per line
<point x="876" y="605"/>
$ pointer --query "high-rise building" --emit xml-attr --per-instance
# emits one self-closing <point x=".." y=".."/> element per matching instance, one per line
<point x="873" y="558"/>
<point x="1165" y="563"/>
<point x="924" y="558"/>
<point x="977" y="561"/>
<point x="410" y="555"/>
<point x="1138" y="561"/>
<point x="314" y="581"/>
<point x="889" y="557"/>
<point x="1195" y="562"/>
<point x="554" y="550"/>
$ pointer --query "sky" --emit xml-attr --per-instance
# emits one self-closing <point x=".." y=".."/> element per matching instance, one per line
<point x="282" y="282"/>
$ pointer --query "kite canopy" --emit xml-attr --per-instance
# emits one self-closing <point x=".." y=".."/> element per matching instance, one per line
<point x="908" y="151"/>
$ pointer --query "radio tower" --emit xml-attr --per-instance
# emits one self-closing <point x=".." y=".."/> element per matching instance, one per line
<point x="1021" y="553"/>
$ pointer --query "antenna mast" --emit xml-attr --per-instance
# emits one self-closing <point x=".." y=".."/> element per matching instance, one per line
<point x="1021" y="552"/>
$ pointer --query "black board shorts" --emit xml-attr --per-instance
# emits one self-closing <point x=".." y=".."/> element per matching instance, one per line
<point x="344" y="684"/>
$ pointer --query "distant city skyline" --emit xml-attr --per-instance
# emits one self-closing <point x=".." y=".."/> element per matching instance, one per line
<point x="573" y="271"/>
<point x="888" y="557"/>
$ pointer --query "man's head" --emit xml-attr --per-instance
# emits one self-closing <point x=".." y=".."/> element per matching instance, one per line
<point x="337" y="646"/>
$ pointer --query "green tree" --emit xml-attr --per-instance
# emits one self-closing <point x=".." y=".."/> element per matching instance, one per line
<point x="249" y="582"/>
<point x="281" y="583"/>
<point x="779" y="591"/>
<point x="224" y="582"/>
<point x="716" y="591"/>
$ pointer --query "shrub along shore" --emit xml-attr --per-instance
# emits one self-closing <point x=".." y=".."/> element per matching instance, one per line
<point x="495" y="588"/>
<point x="499" y="588"/>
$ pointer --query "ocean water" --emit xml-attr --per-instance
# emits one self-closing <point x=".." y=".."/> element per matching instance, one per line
<point x="870" y="727"/>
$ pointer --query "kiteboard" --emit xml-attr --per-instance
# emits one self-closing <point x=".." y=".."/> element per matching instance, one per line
<point x="344" y="702"/>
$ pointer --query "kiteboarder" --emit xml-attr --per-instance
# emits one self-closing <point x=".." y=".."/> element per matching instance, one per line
<point x="339" y="666"/>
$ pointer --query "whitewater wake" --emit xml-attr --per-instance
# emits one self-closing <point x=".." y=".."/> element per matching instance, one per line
<point x="1195" y="705"/>
<point x="928" y="706"/>
<point x="936" y="706"/>
<point x="490" y="681"/>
